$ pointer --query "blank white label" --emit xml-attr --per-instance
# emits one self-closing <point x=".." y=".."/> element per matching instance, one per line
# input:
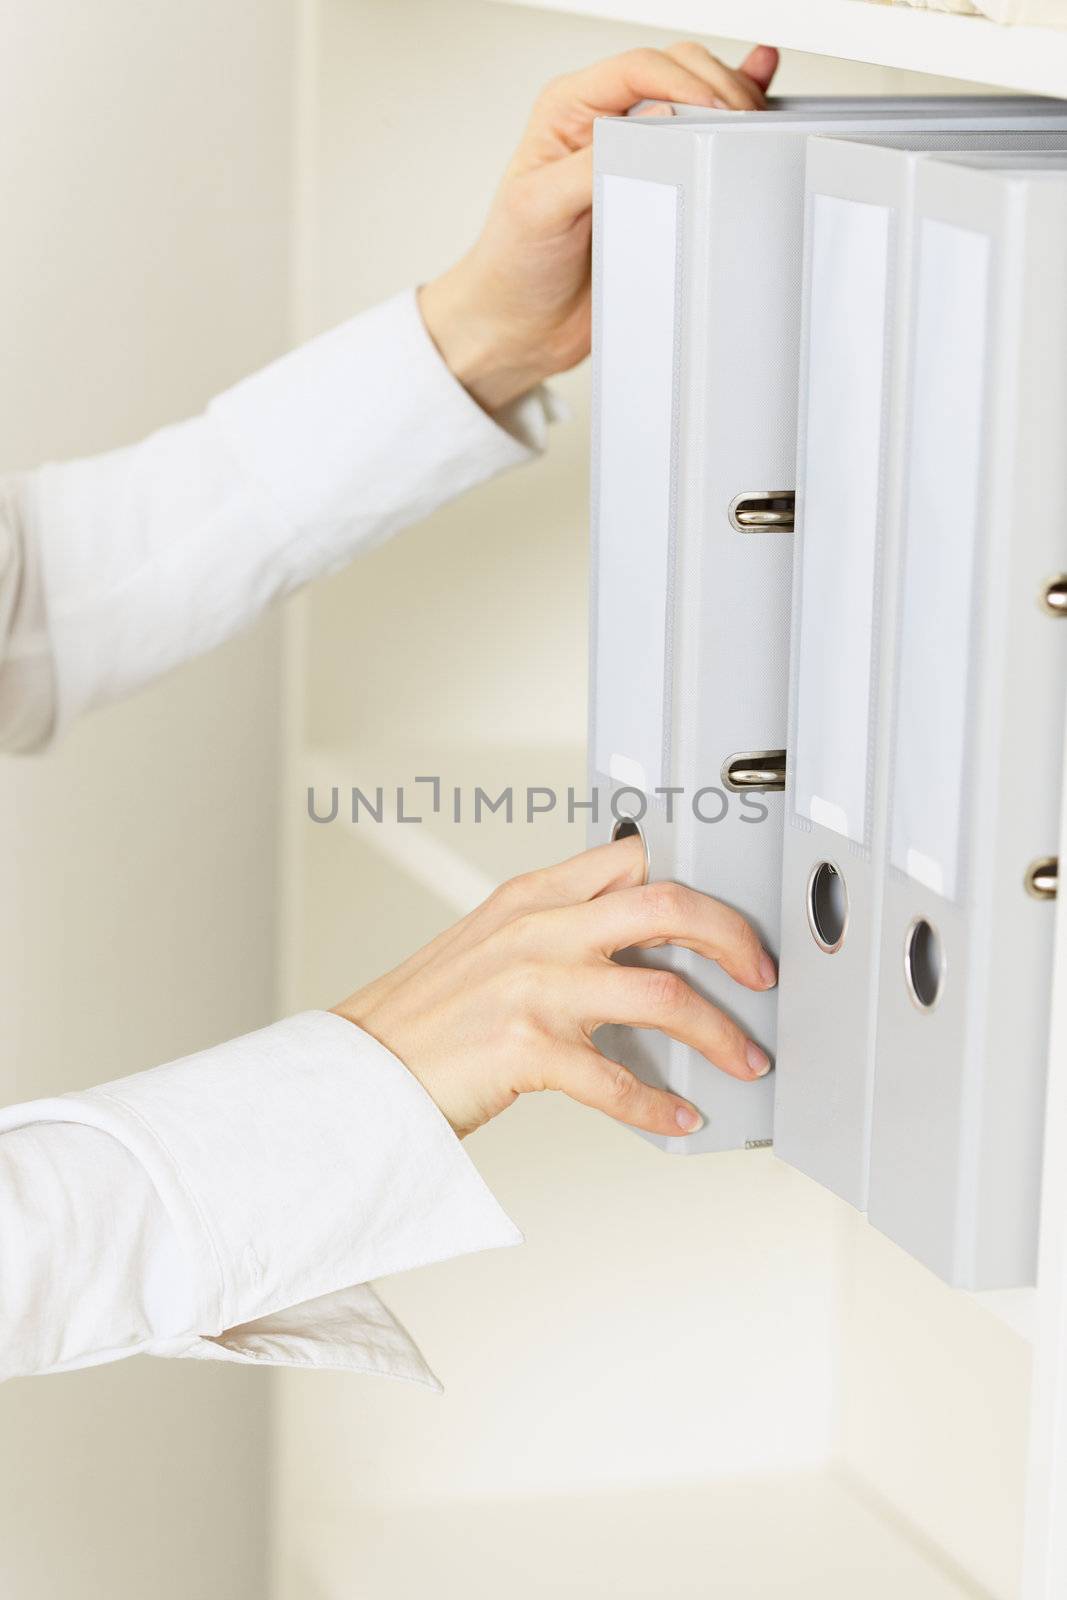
<point x="941" y="510"/>
<point x="840" y="476"/>
<point x="638" y="259"/>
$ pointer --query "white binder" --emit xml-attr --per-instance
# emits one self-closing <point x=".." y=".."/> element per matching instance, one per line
<point x="977" y="719"/>
<point x="697" y="249"/>
<point x="852" y="417"/>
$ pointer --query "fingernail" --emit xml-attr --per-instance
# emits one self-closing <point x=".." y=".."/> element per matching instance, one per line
<point x="767" y="970"/>
<point x="757" y="1059"/>
<point x="656" y="108"/>
<point x="688" y="1119"/>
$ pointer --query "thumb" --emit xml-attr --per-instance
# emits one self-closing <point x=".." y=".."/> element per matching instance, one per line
<point x="760" y="65"/>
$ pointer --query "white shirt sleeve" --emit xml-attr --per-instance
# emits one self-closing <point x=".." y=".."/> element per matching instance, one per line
<point x="233" y="1205"/>
<point x="146" y="556"/>
<point x="27" y="681"/>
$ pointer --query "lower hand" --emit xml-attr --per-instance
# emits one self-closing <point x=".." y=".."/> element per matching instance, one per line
<point x="507" y="1001"/>
<point x="516" y="309"/>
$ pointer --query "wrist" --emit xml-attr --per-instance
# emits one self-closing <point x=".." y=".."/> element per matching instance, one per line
<point x="486" y="355"/>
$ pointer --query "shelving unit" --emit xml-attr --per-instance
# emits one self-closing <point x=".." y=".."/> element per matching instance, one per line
<point x="802" y="1531"/>
<point x="459" y="862"/>
<point x="971" y="49"/>
<point x="635" y="1544"/>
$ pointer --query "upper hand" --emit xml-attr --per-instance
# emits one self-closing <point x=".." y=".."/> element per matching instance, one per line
<point x="508" y="999"/>
<point x="516" y="309"/>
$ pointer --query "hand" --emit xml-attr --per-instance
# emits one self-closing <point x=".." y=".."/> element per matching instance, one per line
<point x="516" y="309"/>
<point x="507" y="1001"/>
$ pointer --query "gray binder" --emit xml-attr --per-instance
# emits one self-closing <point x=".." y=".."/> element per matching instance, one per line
<point x="977" y="721"/>
<point x="697" y="254"/>
<point x="852" y="422"/>
<point x="907" y="105"/>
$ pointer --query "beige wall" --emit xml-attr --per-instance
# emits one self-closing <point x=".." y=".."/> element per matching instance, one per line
<point x="666" y="1320"/>
<point x="145" y="174"/>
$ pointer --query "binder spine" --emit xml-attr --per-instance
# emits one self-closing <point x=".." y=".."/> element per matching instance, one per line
<point x="970" y="895"/>
<point x="845" y="489"/>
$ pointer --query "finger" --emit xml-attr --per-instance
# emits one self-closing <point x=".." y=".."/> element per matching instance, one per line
<point x="669" y="913"/>
<point x="605" y="868"/>
<point x="760" y="65"/>
<point x="652" y="108"/>
<point x="731" y="89"/>
<point x="595" y="1080"/>
<point x="602" y="870"/>
<point x="649" y="997"/>
<point x="565" y="113"/>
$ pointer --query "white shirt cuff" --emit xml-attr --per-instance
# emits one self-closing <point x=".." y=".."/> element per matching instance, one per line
<point x="348" y="1331"/>
<point x="294" y="1163"/>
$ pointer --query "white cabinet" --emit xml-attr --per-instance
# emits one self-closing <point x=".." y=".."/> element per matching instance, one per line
<point x="698" y="1377"/>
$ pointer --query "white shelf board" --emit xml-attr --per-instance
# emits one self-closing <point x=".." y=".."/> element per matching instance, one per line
<point x="808" y="1536"/>
<point x="459" y="862"/>
<point x="969" y="48"/>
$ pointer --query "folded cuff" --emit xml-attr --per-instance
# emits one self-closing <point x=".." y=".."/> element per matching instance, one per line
<point x="350" y="1331"/>
<point x="294" y="1162"/>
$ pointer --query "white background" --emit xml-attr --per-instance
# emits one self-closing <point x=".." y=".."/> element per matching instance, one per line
<point x="718" y="1323"/>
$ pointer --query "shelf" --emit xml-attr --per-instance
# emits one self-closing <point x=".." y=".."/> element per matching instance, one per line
<point x="968" y="48"/>
<point x="808" y="1536"/>
<point x="459" y="863"/>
